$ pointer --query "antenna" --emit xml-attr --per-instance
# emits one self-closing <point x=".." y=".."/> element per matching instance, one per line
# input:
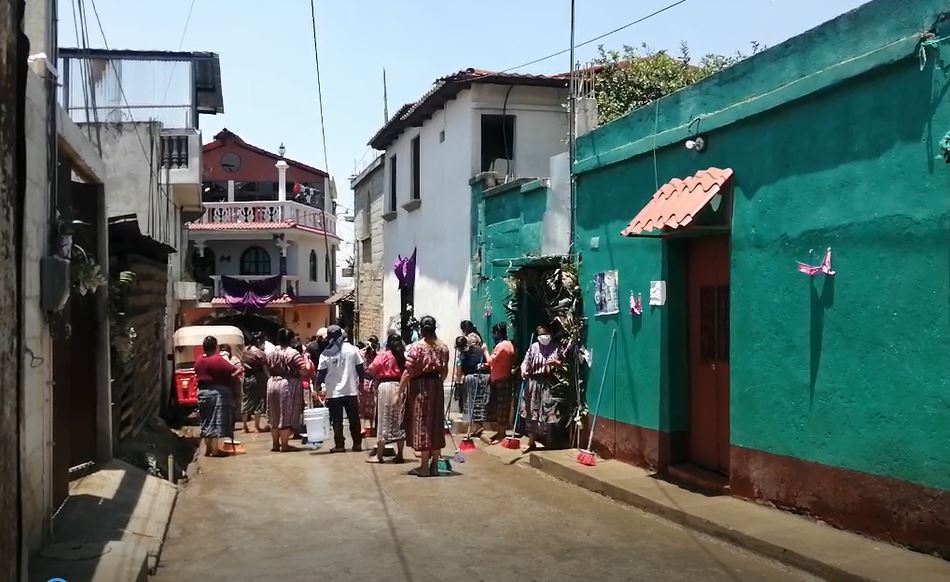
<point x="385" y="99"/>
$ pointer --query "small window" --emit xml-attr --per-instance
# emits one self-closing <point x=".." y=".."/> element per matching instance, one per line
<point x="366" y="250"/>
<point x="313" y="265"/>
<point x="326" y="268"/>
<point x="498" y="142"/>
<point x="416" y="169"/>
<point x="255" y="261"/>
<point x="392" y="183"/>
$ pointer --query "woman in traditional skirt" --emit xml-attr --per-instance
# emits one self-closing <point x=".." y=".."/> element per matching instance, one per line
<point x="216" y="387"/>
<point x="500" y="379"/>
<point x="427" y="365"/>
<point x="387" y="368"/>
<point x="287" y="367"/>
<point x="540" y="412"/>
<point x="255" y="383"/>
<point x="472" y="379"/>
<point x="367" y="389"/>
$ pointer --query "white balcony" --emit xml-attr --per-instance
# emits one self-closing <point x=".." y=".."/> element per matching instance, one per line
<point x="181" y="166"/>
<point x="290" y="285"/>
<point x="253" y="215"/>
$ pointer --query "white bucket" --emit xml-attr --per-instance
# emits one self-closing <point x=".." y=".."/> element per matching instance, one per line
<point x="318" y="424"/>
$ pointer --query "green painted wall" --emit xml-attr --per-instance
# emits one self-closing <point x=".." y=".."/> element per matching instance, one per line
<point x="507" y="227"/>
<point x="851" y="371"/>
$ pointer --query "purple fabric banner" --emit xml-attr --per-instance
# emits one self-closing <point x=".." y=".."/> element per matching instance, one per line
<point x="242" y="294"/>
<point x="405" y="269"/>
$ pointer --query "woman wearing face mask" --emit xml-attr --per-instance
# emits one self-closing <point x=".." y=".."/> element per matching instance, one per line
<point x="539" y="410"/>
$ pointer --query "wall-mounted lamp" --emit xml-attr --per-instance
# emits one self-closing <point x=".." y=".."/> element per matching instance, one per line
<point x="225" y="258"/>
<point x="696" y="144"/>
<point x="281" y="150"/>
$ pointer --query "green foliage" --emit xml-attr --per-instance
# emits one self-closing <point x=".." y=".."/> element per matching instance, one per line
<point x="632" y="78"/>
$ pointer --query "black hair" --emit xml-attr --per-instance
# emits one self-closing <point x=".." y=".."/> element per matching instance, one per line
<point x="500" y="329"/>
<point x="461" y="343"/>
<point x="427" y="327"/>
<point x="373" y="341"/>
<point x="360" y="345"/>
<point x="543" y="326"/>
<point x="257" y="339"/>
<point x="469" y="327"/>
<point x="397" y="348"/>
<point x="210" y="344"/>
<point x="285" y="337"/>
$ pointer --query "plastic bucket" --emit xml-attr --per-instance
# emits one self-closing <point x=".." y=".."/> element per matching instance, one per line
<point x="318" y="424"/>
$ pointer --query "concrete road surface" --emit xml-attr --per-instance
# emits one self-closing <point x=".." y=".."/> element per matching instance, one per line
<point x="314" y="516"/>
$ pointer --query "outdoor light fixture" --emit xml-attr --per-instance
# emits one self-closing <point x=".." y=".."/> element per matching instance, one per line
<point x="697" y="144"/>
<point x="281" y="150"/>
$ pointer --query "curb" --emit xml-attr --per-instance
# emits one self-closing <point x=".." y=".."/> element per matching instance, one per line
<point x="841" y="566"/>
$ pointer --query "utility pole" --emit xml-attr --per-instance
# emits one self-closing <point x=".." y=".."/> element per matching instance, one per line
<point x="12" y="193"/>
<point x="385" y="99"/>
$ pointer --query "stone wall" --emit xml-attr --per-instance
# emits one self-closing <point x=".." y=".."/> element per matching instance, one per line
<point x="368" y="226"/>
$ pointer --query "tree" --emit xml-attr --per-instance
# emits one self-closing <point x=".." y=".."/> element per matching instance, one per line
<point x="628" y="79"/>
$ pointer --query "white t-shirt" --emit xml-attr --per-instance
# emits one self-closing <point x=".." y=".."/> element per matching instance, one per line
<point x="342" y="379"/>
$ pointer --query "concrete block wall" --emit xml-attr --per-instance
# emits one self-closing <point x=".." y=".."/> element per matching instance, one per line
<point x="36" y="419"/>
<point x="370" y="267"/>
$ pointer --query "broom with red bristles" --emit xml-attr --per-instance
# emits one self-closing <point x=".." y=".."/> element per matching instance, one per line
<point x="586" y="456"/>
<point x="513" y="442"/>
<point x="468" y="444"/>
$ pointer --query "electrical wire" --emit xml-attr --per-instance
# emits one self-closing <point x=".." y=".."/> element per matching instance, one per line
<point x="316" y="57"/>
<point x="181" y="43"/>
<point x="593" y="40"/>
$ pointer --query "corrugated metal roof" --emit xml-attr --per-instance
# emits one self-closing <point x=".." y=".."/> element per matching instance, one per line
<point x="678" y="201"/>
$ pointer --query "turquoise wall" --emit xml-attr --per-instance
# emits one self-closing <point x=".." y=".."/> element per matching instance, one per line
<point x="507" y="228"/>
<point x="850" y="371"/>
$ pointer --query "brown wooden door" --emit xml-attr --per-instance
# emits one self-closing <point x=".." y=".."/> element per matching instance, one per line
<point x="708" y="329"/>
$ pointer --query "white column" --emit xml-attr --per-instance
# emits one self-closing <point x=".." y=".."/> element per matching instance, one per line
<point x="230" y="190"/>
<point x="282" y="180"/>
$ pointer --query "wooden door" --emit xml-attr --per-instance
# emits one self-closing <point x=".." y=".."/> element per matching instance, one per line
<point x="708" y="330"/>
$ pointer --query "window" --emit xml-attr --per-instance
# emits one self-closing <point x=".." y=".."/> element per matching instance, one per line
<point x="313" y="265"/>
<point x="416" y="169"/>
<point x="366" y="250"/>
<point x="255" y="261"/>
<point x="392" y="183"/>
<point x="498" y="142"/>
<point x="326" y="268"/>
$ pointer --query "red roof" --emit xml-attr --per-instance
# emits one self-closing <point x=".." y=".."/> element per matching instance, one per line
<point x="678" y="201"/>
<point x="221" y="138"/>
<point x="282" y="300"/>
<point x="447" y="88"/>
<point x="234" y="226"/>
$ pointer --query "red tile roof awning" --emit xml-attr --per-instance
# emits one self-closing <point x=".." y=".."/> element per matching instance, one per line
<point x="679" y="201"/>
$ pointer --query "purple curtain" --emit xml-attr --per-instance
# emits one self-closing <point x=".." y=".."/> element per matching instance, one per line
<point x="405" y="269"/>
<point x="250" y="294"/>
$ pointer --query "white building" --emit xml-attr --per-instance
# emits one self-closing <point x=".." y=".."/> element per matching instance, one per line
<point x="469" y="122"/>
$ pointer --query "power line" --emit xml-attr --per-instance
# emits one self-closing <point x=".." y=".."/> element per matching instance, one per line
<point x="593" y="40"/>
<point x="316" y="56"/>
<point x="181" y="43"/>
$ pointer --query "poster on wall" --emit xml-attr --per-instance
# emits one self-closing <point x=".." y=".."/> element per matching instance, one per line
<point x="606" y="301"/>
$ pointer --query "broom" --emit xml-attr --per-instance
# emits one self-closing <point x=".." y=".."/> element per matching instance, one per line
<point x="457" y="455"/>
<point x="513" y="442"/>
<point x="586" y="456"/>
<point x="468" y="444"/>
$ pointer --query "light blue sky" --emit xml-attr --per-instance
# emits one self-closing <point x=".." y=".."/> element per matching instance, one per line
<point x="268" y="67"/>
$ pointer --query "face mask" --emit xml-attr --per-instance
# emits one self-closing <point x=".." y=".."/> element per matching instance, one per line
<point x="225" y="354"/>
<point x="544" y="339"/>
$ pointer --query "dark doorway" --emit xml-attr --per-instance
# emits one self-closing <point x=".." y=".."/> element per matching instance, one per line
<point x="708" y="331"/>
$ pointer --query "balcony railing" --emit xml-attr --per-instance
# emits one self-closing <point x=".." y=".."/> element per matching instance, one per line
<point x="289" y="285"/>
<point x="269" y="211"/>
<point x="180" y="161"/>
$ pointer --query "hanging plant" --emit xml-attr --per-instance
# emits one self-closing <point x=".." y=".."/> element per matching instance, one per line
<point x="87" y="276"/>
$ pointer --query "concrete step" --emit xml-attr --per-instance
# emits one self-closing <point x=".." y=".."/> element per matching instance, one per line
<point x="91" y="562"/>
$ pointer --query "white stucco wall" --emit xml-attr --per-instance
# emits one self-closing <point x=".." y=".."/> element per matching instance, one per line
<point x="298" y="259"/>
<point x="440" y="228"/>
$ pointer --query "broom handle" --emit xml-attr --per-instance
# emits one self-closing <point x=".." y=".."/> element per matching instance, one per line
<point x="600" y="396"/>
<point x="514" y="419"/>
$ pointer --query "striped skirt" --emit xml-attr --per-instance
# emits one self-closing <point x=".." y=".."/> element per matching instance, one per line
<point x="499" y="405"/>
<point x="367" y="394"/>
<point x="425" y="414"/>
<point x="284" y="403"/>
<point x="389" y="416"/>
<point x="216" y="410"/>
<point x="477" y="396"/>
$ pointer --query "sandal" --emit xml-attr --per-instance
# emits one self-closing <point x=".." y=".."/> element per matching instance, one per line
<point x="289" y="449"/>
<point x="398" y="461"/>
<point x="419" y="472"/>
<point x="275" y="449"/>
<point x="338" y="450"/>
<point x="219" y="454"/>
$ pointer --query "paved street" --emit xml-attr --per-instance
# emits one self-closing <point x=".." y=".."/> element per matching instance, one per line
<point x="313" y="516"/>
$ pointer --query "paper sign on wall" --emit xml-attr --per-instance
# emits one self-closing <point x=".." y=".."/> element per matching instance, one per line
<point x="606" y="301"/>
<point x="657" y="292"/>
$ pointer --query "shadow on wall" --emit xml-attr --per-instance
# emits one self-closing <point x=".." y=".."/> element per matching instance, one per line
<point x="820" y="303"/>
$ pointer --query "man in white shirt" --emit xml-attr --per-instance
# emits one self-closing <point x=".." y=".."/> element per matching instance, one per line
<point x="340" y="372"/>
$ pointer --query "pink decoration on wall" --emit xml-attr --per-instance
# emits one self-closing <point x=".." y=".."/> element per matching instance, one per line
<point x="636" y="304"/>
<point x="812" y="270"/>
